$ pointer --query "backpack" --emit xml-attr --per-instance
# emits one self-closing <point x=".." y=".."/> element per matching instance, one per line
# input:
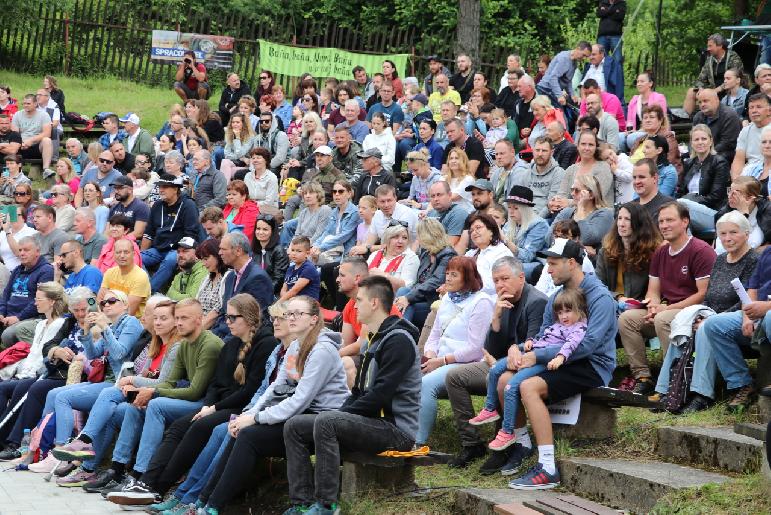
<point x="680" y="378"/>
<point x="100" y="116"/>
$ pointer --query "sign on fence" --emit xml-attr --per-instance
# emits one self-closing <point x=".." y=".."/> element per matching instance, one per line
<point x="213" y="51"/>
<point x="322" y="62"/>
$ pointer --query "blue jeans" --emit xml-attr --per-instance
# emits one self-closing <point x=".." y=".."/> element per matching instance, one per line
<point x="610" y="42"/>
<point x="104" y="419"/>
<point x="702" y="217"/>
<point x="166" y="263"/>
<point x="432" y="386"/>
<point x="510" y="393"/>
<point x="416" y="312"/>
<point x="146" y="427"/>
<point x="402" y="149"/>
<point x="704" y="366"/>
<point x="724" y="333"/>
<point x="217" y="155"/>
<point x="63" y="400"/>
<point x="288" y="231"/>
<point x="204" y="466"/>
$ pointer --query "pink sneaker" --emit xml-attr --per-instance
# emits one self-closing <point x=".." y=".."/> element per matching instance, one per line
<point x="44" y="466"/>
<point x="485" y="417"/>
<point x="502" y="441"/>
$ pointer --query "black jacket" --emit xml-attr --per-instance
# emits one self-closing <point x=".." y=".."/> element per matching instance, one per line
<point x="635" y="283"/>
<point x="764" y="217"/>
<point x="713" y="184"/>
<point x="229" y="99"/>
<point x="369" y="183"/>
<point x="725" y="128"/>
<point x="508" y="100"/>
<point x="518" y="324"/>
<point x="425" y="288"/>
<point x="223" y="391"/>
<point x="565" y="153"/>
<point x="611" y="18"/>
<point x="275" y="262"/>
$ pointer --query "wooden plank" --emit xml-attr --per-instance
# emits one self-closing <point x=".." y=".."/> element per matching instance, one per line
<point x="101" y="9"/>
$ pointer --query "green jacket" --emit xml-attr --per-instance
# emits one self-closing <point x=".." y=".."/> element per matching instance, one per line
<point x="196" y="362"/>
<point x="185" y="284"/>
<point x="142" y="145"/>
<point x="708" y="75"/>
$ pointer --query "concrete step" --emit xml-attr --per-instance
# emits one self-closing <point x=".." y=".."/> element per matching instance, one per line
<point x="756" y="431"/>
<point x="712" y="446"/>
<point x="630" y="485"/>
<point x="504" y="501"/>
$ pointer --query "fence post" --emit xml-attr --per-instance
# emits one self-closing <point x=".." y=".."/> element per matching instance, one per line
<point x="66" y="44"/>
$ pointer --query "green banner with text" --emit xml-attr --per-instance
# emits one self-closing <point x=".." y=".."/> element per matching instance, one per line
<point x="322" y="62"/>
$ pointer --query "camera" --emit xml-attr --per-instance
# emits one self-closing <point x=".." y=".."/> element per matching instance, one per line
<point x="188" y="60"/>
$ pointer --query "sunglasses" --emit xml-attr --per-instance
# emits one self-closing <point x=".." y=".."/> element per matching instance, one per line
<point x="110" y="301"/>
<point x="233" y="318"/>
<point x="266" y="121"/>
<point x="265" y="218"/>
<point x="264" y="78"/>
<point x="396" y="223"/>
<point x="106" y="161"/>
<point x="20" y="193"/>
<point x="56" y="194"/>
<point x="339" y="191"/>
<point x="141" y="162"/>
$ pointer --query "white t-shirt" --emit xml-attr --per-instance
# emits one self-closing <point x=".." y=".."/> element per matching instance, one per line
<point x="30" y="126"/>
<point x="10" y="260"/>
<point x="749" y="142"/>
<point x="401" y="213"/>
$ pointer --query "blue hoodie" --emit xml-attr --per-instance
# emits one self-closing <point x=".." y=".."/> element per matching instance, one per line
<point x="599" y="344"/>
<point x="19" y="294"/>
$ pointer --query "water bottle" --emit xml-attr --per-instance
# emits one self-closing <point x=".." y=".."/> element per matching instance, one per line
<point x="24" y="447"/>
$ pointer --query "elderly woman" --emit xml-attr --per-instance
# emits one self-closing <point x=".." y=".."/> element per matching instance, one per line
<point x="61" y="201"/>
<point x="311" y="122"/>
<point x="459" y="176"/>
<point x="267" y="252"/>
<point x="525" y="232"/>
<point x="486" y="236"/>
<point x="395" y="260"/>
<point x="744" y="196"/>
<point x="239" y="140"/>
<point x="656" y="149"/>
<point x="312" y="219"/>
<point x="240" y="210"/>
<point x="455" y="336"/>
<point x="761" y="170"/>
<point x="593" y="215"/>
<point x="739" y="261"/>
<point x="174" y="164"/>
<point x="434" y="253"/>
<point x="590" y="163"/>
<point x="625" y="255"/>
<point x="706" y="176"/>
<point x="12" y="233"/>
<point x="543" y="114"/>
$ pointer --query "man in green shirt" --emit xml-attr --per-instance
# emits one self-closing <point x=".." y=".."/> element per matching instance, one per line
<point x="192" y="271"/>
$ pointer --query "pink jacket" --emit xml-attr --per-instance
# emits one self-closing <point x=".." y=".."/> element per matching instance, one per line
<point x="611" y="105"/>
<point x="654" y="98"/>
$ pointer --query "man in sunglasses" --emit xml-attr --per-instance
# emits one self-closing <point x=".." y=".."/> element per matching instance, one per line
<point x="235" y="89"/>
<point x="104" y="175"/>
<point x="275" y="140"/>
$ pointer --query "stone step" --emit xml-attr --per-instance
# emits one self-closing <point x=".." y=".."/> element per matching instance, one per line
<point x="504" y="501"/>
<point x="712" y="446"/>
<point x="630" y="485"/>
<point x="756" y="431"/>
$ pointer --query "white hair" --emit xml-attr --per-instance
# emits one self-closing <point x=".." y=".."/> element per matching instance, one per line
<point x="736" y="218"/>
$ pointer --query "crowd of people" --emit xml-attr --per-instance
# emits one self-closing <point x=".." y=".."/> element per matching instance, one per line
<point x="162" y="295"/>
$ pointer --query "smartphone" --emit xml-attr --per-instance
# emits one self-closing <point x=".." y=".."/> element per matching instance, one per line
<point x="93" y="307"/>
<point x="10" y="212"/>
<point x="131" y="396"/>
<point x="6" y="173"/>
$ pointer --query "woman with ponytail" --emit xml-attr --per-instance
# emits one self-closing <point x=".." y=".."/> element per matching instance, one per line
<point x="240" y="371"/>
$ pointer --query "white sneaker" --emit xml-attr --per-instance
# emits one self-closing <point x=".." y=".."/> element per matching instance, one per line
<point x="44" y="466"/>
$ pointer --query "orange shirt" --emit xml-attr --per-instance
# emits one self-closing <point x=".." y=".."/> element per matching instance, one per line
<point x="351" y="316"/>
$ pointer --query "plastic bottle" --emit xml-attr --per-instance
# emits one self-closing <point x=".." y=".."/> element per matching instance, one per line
<point x="24" y="447"/>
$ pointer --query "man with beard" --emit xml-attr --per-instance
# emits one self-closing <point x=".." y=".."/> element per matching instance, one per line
<point x="441" y="94"/>
<point x="463" y="80"/>
<point x="128" y="205"/>
<point x="71" y="270"/>
<point x="191" y="271"/>
<point x="124" y="162"/>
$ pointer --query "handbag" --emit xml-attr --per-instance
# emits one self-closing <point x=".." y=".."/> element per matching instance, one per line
<point x="281" y="392"/>
<point x="98" y="369"/>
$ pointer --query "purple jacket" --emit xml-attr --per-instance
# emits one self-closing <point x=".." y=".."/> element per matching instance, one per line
<point x="568" y="336"/>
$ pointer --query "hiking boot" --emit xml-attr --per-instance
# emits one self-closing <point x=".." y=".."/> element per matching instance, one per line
<point x="102" y="479"/>
<point x="466" y="455"/>
<point x="44" y="466"/>
<point x="698" y="402"/>
<point x="517" y="455"/>
<point x="485" y="416"/>
<point x="643" y="386"/>
<point x="73" y="451"/>
<point x="77" y="477"/>
<point x="502" y="441"/>
<point x="741" y="398"/>
<point x="135" y="493"/>
<point x="10" y="453"/>
<point x="494" y="462"/>
<point x="536" y="478"/>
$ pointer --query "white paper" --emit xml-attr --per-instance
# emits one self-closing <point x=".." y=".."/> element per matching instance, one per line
<point x="740" y="291"/>
<point x="565" y="411"/>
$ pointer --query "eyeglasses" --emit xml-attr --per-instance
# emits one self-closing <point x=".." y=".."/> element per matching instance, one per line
<point x="110" y="301"/>
<point x="397" y="223"/>
<point x="339" y="191"/>
<point x="292" y="315"/>
<point x="278" y="320"/>
<point x="233" y="318"/>
<point x="65" y="254"/>
<point x="56" y="194"/>
<point x="20" y="193"/>
<point x="106" y="161"/>
<point x="141" y="162"/>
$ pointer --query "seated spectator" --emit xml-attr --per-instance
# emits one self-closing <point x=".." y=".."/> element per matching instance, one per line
<point x="525" y="232"/>
<point x="345" y="154"/>
<point x="748" y="144"/>
<point x="129" y="206"/>
<point x="72" y="271"/>
<point x="91" y="241"/>
<point x="210" y="122"/>
<point x="211" y="288"/>
<point x="486" y="237"/>
<point x="357" y="129"/>
<point x="424" y="175"/>
<point x="508" y="96"/>
<point x="567" y="229"/>
<point x="544" y="113"/>
<point x="166" y="143"/>
<point x="426" y="139"/>
<point x="744" y="196"/>
<point x="542" y="177"/>
<point x="738" y="262"/>
<point x="622" y="168"/>
<point x="174" y="110"/>
<point x="721" y="120"/>
<point x="450" y="214"/>
<point x="382" y="139"/>
<point x="590" y="164"/>
<point x="138" y="140"/>
<point x="127" y="277"/>
<point x="762" y="83"/>
<point x="103" y="176"/>
<point x="262" y="184"/>
<point x="504" y="171"/>
<point x="173" y="217"/>
<point x="10" y="140"/>
<point x="15" y="177"/>
<point x="239" y="141"/>
<point x="301" y="278"/>
<point x="702" y="187"/>
<point x="8" y="106"/>
<point x="34" y="127"/>
<point x="454" y="337"/>
<point x="208" y="185"/>
<point x="240" y="210"/>
<point x="118" y="228"/>
<point x="311" y="123"/>
<point x="187" y="282"/>
<point x="411" y="134"/>
<point x="392" y="112"/>
<point x="339" y="236"/>
<point x="267" y="253"/>
<point x="124" y="161"/>
<point x="275" y="140"/>
<point x="460" y="141"/>
<point x="373" y="174"/>
<point x="312" y="219"/>
<point x="342" y="94"/>
<point x="626" y="254"/>
<point x="389" y="210"/>
<point x="719" y="59"/>
<point x="656" y="149"/>
<point x="395" y="260"/>
<point x="11" y="235"/>
<point x="65" y="175"/>
<point x="49" y="237"/>
<point x="191" y="78"/>
<point x="592" y="213"/>
<point x="610" y="101"/>
<point x="645" y="180"/>
<point x="669" y="291"/>
<point x="654" y="122"/>
<point x="634" y="115"/>
<point x="23" y="198"/>
<point x="735" y="93"/>
<point x="231" y="94"/>
<point x="609" y="131"/>
<point x="459" y="175"/>
<point x="760" y="170"/>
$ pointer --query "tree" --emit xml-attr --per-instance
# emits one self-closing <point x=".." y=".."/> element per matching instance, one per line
<point x="468" y="29"/>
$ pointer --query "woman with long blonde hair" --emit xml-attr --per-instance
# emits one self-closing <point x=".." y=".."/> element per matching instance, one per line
<point x="459" y="176"/>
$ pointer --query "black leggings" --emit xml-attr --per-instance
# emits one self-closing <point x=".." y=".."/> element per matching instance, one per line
<point x="239" y="459"/>
<point x="32" y="409"/>
<point x="182" y="442"/>
<point x="329" y="278"/>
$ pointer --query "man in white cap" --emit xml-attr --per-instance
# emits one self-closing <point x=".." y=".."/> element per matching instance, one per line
<point x="139" y="140"/>
<point x="191" y="271"/>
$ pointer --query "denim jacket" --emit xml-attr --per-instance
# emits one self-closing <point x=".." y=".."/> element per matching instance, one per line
<point x="272" y="364"/>
<point x="117" y="340"/>
<point x="345" y="235"/>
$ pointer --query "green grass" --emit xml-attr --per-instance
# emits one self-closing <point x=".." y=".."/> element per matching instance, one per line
<point x="675" y="94"/>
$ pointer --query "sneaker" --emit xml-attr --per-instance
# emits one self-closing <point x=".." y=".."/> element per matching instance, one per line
<point x="644" y="386"/>
<point x="485" y="417"/>
<point x="135" y="493"/>
<point x="169" y="504"/>
<point x="181" y="509"/>
<point x="494" y="462"/>
<point x="10" y="453"/>
<point x="741" y="398"/>
<point x="466" y="455"/>
<point x="64" y="469"/>
<point x="517" y="455"/>
<point x="44" y="466"/>
<point x="698" y="402"/>
<point x="502" y="441"/>
<point x="207" y="510"/>
<point x="117" y="487"/>
<point x="536" y="479"/>
<point x="320" y="509"/>
<point x="101" y="480"/>
<point x="299" y="509"/>
<point x="77" y="477"/>
<point x="75" y="450"/>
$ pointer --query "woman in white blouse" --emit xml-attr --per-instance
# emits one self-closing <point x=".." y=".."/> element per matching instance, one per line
<point x="262" y="183"/>
<point x="9" y="238"/>
<point x="396" y="260"/>
<point x="486" y="236"/>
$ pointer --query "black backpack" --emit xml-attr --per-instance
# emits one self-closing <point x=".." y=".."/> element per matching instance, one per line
<point x="680" y="378"/>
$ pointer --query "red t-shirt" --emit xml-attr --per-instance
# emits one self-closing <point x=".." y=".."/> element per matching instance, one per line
<point x="351" y="316"/>
<point x="677" y="274"/>
<point x="190" y="79"/>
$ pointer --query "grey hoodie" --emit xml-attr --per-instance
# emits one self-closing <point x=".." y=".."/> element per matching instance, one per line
<point x="322" y="386"/>
<point x="544" y="185"/>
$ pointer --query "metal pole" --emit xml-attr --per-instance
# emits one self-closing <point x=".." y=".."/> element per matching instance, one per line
<point x="658" y="40"/>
